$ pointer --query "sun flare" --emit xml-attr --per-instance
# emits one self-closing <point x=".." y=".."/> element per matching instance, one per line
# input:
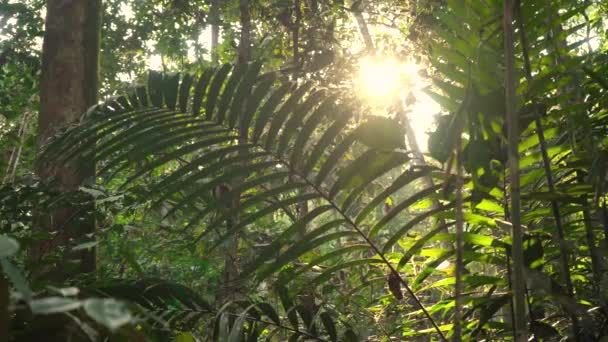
<point x="380" y="78"/>
<point x="383" y="80"/>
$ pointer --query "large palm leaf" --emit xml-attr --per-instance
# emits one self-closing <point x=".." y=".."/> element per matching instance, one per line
<point x="276" y="147"/>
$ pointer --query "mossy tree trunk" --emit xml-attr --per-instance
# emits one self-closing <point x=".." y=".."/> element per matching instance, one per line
<point x="68" y="87"/>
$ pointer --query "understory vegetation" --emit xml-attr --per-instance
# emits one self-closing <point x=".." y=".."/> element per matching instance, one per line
<point x="269" y="179"/>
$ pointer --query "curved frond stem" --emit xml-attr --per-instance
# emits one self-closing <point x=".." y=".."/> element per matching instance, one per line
<point x="373" y="246"/>
<point x="316" y="187"/>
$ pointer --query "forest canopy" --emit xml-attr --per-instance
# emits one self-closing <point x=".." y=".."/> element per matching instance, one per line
<point x="303" y="170"/>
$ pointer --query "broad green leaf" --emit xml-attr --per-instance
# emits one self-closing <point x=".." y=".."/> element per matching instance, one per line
<point x="288" y="306"/>
<point x="296" y="120"/>
<point x="270" y="312"/>
<point x="267" y="111"/>
<point x="184" y="92"/>
<point x="326" y="257"/>
<point x="253" y="103"/>
<point x="420" y="243"/>
<point x="367" y="167"/>
<point x="395" y="210"/>
<point x="51" y="305"/>
<point x="185" y="337"/>
<point x="8" y="246"/>
<point x="110" y="312"/>
<point x="299" y="249"/>
<point x="282" y="115"/>
<point x="229" y="90"/>
<point x="413" y="222"/>
<point x="214" y="89"/>
<point x="236" y="333"/>
<point x="306" y="133"/>
<point x="85" y="245"/>
<point x="169" y="89"/>
<point x="199" y="93"/>
<point x="327" y="274"/>
<point x="381" y="133"/>
<point x="329" y="325"/>
<point x="322" y="144"/>
<point x="404" y="179"/>
<point x="242" y="93"/>
<point x="16" y="277"/>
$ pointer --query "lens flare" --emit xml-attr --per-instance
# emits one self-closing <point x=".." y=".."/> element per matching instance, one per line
<point x="384" y="81"/>
<point x="380" y="78"/>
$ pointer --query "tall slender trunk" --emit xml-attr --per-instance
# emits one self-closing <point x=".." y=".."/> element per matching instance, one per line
<point x="419" y="159"/>
<point x="458" y="286"/>
<point x="565" y="268"/>
<point x="363" y="29"/>
<point x="214" y="14"/>
<point x="68" y="87"/>
<point x="560" y="43"/>
<point x="5" y="314"/>
<point x="518" y="280"/>
<point x="296" y="35"/>
<point x="15" y="155"/>
<point x="231" y="258"/>
<point x="563" y="251"/>
<point x="244" y="53"/>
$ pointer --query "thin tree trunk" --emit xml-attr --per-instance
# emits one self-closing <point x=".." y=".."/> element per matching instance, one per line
<point x="419" y="158"/>
<point x="560" y="44"/>
<point x="13" y="163"/>
<point x="307" y="298"/>
<point x="518" y="280"/>
<point x="231" y="258"/>
<point x="459" y="245"/>
<point x="4" y="312"/>
<point x="244" y="53"/>
<point x="214" y="14"/>
<point x="604" y="219"/>
<point x="363" y="29"/>
<point x="565" y="268"/>
<point x="68" y="87"/>
<point x="296" y="35"/>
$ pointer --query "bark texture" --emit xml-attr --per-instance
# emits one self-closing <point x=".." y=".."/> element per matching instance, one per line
<point x="69" y="86"/>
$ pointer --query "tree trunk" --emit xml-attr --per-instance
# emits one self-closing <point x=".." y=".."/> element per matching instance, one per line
<point x="296" y="37"/>
<point x="214" y="14"/>
<point x="245" y="41"/>
<point x="231" y="249"/>
<point x="68" y="87"/>
<point x="367" y="37"/>
<point x="563" y="251"/>
<point x="518" y="280"/>
<point x="5" y="314"/>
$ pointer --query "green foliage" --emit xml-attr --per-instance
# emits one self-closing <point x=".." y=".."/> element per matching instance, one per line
<point x="338" y="238"/>
<point x="254" y="139"/>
